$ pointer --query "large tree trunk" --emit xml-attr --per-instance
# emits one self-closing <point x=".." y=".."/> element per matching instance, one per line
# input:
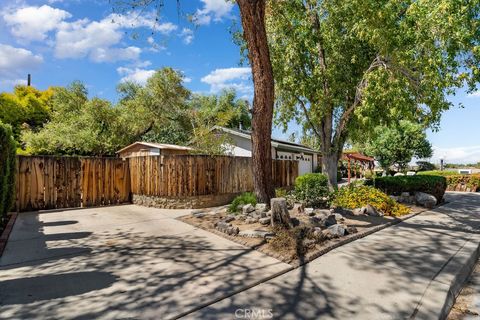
<point x="253" y="21"/>
<point x="330" y="168"/>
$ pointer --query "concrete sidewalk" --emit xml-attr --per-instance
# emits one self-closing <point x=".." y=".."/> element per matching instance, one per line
<point x="411" y="270"/>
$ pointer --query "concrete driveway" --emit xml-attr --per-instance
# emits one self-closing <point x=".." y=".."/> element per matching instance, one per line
<point x="119" y="262"/>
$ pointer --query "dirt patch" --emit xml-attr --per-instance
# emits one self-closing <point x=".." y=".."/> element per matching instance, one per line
<point x="299" y="244"/>
<point x="465" y="305"/>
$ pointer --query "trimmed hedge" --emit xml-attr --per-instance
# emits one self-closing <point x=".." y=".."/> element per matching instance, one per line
<point x="312" y="188"/>
<point x="7" y="170"/>
<point x="434" y="185"/>
<point x="458" y="182"/>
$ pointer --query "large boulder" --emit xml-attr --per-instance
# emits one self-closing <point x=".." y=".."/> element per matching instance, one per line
<point x="248" y="208"/>
<point x="261" y="207"/>
<point x="264" y="221"/>
<point x="372" y="211"/>
<point x="426" y="200"/>
<point x="335" y="231"/>
<point x="280" y="216"/>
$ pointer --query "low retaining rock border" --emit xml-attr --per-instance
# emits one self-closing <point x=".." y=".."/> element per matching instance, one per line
<point x="193" y="202"/>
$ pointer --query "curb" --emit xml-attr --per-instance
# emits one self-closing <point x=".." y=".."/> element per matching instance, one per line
<point x="6" y="232"/>
<point x="436" y="302"/>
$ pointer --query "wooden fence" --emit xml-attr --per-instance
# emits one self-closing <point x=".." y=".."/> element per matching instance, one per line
<point x="182" y="176"/>
<point x="67" y="182"/>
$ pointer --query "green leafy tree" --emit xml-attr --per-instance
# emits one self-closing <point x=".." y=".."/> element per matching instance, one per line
<point x="343" y="67"/>
<point x="397" y="145"/>
<point x="25" y="107"/>
<point x="78" y="126"/>
<point x="158" y="111"/>
<point x="224" y="110"/>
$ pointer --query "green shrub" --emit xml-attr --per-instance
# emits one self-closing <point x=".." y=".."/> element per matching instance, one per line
<point x="311" y="188"/>
<point x="7" y="170"/>
<point x="357" y="197"/>
<point x="455" y="181"/>
<point x="438" y="173"/>
<point x="434" y="185"/>
<point x="243" y="199"/>
<point x="281" y="193"/>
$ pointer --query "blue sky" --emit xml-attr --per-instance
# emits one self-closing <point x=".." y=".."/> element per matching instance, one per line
<point x="59" y="41"/>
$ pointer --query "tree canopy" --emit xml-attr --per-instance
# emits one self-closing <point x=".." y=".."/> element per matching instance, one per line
<point x="162" y="110"/>
<point x="398" y="144"/>
<point x="26" y="106"/>
<point x="343" y="67"/>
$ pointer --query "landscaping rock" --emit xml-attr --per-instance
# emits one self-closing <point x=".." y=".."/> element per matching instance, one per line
<point x="240" y="208"/>
<point x="198" y="214"/>
<point x="308" y="243"/>
<point x="351" y="230"/>
<point x="229" y="218"/>
<point x="322" y="213"/>
<point x="405" y="194"/>
<point x="426" y="200"/>
<point x="315" y="221"/>
<point x="359" y="211"/>
<point x="372" y="211"/>
<point x="233" y="231"/>
<point x="248" y="208"/>
<point x="261" y="207"/>
<point x="294" y="222"/>
<point x="268" y="213"/>
<point x="251" y="220"/>
<point x="398" y="174"/>
<point x="280" y="216"/>
<point x="339" y="217"/>
<point x="335" y="231"/>
<point x="329" y="221"/>
<point x="309" y="212"/>
<point x="255" y="234"/>
<point x="299" y="208"/>
<point x="242" y="218"/>
<point x="222" y="226"/>
<point x="264" y="221"/>
<point x="318" y="234"/>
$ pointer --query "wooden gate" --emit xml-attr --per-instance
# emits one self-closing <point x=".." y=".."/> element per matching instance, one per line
<point x="66" y="182"/>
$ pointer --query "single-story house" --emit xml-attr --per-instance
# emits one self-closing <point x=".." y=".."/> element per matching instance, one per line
<point x="241" y="146"/>
<point x="152" y="149"/>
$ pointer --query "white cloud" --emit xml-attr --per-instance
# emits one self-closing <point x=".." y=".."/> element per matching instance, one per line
<point x="100" y="41"/>
<point x="475" y="94"/>
<point x="15" y="63"/>
<point x="187" y="35"/>
<point x="214" y="10"/>
<point x="236" y="78"/>
<point x="136" y="75"/>
<point x="187" y="80"/>
<point x="14" y="60"/>
<point x="469" y="154"/>
<point x="33" y="23"/>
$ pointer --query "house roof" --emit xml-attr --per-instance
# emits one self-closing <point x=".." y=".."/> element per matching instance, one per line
<point x="276" y="143"/>
<point x="155" y="145"/>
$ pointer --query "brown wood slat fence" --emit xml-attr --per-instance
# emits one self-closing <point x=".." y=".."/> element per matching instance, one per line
<point x="66" y="182"/>
<point x="196" y="175"/>
<point x="45" y="182"/>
